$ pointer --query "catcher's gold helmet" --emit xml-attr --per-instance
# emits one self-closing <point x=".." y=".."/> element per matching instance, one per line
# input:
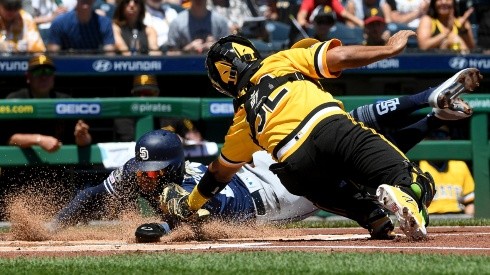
<point x="231" y="62"/>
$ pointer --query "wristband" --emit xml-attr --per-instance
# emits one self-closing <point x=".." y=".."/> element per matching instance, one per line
<point x="208" y="185"/>
<point x="38" y="139"/>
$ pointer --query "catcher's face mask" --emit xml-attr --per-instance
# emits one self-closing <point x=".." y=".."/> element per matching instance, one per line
<point x="227" y="63"/>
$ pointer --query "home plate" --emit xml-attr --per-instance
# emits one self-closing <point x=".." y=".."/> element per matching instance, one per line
<point x="319" y="237"/>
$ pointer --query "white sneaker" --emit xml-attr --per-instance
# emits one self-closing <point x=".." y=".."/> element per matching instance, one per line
<point x="406" y="209"/>
<point x="464" y="81"/>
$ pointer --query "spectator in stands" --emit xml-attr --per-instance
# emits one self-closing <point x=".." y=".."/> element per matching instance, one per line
<point x="147" y="86"/>
<point x="323" y="21"/>
<point x="454" y="183"/>
<point x="81" y="30"/>
<point x="48" y="134"/>
<point x="406" y="13"/>
<point x="442" y="29"/>
<point x="18" y="31"/>
<point x="342" y="15"/>
<point x="132" y="36"/>
<point x="236" y="11"/>
<point x="360" y="8"/>
<point x="44" y="12"/>
<point x="195" y="30"/>
<point x="375" y="31"/>
<point x="283" y="10"/>
<point x="159" y="15"/>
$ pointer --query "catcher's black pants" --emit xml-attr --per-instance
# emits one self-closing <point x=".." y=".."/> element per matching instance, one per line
<point x="339" y="159"/>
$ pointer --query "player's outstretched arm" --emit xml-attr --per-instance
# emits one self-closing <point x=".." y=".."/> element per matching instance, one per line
<point x="81" y="207"/>
<point x="354" y="56"/>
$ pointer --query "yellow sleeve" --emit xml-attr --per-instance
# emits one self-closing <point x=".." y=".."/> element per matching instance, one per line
<point x="238" y="146"/>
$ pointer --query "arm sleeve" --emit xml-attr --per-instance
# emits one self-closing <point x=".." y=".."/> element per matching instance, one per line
<point x="337" y="6"/>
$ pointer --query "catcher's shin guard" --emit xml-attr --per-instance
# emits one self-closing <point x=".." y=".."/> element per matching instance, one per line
<point x="420" y="186"/>
<point x="380" y="225"/>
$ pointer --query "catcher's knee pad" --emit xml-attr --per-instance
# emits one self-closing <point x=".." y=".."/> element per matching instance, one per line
<point x="420" y="185"/>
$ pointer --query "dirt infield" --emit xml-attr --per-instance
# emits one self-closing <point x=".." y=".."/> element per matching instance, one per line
<point x="108" y="240"/>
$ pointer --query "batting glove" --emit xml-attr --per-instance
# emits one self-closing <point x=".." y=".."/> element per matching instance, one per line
<point x="173" y="201"/>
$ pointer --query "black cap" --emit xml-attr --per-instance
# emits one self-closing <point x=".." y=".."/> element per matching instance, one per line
<point x="40" y="61"/>
<point x="145" y="82"/>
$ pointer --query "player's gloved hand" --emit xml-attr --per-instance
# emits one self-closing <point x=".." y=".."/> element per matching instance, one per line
<point x="174" y="201"/>
<point x="151" y="232"/>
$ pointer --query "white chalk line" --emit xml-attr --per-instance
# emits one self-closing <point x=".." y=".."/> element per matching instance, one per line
<point x="90" y="245"/>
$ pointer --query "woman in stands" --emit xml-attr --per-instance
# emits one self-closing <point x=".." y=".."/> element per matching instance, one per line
<point x="441" y="28"/>
<point x="132" y="36"/>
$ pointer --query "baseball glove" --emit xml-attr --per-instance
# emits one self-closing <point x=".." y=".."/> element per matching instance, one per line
<point x="173" y="202"/>
<point x="151" y="232"/>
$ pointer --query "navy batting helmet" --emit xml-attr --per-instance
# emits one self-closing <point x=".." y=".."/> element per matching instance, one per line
<point x="231" y="61"/>
<point x="161" y="150"/>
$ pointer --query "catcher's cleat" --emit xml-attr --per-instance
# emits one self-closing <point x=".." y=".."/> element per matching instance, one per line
<point x="464" y="81"/>
<point x="382" y="229"/>
<point x="412" y="219"/>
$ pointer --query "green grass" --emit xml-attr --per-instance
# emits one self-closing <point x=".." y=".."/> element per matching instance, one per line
<point x="252" y="263"/>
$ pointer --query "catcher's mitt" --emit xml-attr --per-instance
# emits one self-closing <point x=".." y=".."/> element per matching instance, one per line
<point x="151" y="232"/>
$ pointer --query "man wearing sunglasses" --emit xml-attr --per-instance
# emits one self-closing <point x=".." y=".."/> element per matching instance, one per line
<point x="48" y="134"/>
<point x="40" y="77"/>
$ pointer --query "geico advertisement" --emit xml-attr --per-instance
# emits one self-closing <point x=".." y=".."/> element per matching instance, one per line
<point x="60" y="109"/>
<point x="77" y="109"/>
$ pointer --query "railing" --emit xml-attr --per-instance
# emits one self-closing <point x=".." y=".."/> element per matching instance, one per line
<point x="476" y="149"/>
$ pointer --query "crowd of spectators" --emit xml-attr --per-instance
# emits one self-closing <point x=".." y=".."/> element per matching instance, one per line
<point x="174" y="27"/>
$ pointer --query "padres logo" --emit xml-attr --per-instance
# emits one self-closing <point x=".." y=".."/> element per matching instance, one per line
<point x="144" y="154"/>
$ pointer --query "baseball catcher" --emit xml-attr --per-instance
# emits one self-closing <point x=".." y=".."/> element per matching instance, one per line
<point x="282" y="108"/>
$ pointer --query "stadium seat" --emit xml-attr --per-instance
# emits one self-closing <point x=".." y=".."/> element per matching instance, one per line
<point x="348" y="36"/>
<point x="278" y="30"/>
<point x="263" y="47"/>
